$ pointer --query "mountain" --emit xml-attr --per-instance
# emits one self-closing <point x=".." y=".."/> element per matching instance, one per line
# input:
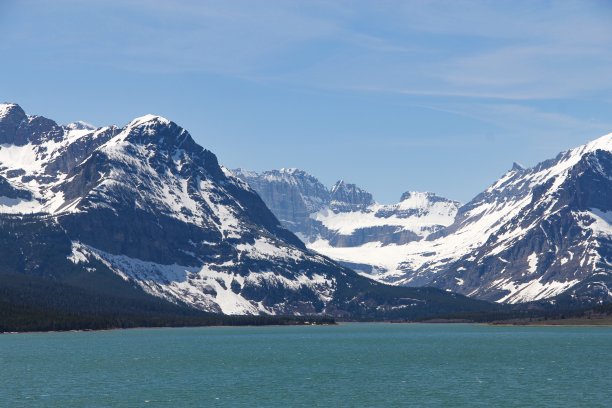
<point x="345" y="223"/>
<point x="346" y="197"/>
<point x="537" y="233"/>
<point x="291" y="194"/>
<point x="142" y="217"/>
<point x="534" y="234"/>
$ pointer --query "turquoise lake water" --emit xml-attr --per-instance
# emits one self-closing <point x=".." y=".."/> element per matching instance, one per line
<point x="348" y="365"/>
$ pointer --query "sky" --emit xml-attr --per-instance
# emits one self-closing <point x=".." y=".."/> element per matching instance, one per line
<point x="438" y="96"/>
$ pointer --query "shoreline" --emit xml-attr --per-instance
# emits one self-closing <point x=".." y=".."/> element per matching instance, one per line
<point x="165" y="327"/>
<point x="579" y="322"/>
<point x="573" y="322"/>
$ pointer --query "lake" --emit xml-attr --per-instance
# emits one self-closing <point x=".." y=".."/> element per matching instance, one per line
<point x="346" y="365"/>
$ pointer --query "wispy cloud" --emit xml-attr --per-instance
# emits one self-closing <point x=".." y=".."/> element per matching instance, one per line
<point x="451" y="84"/>
<point x="520" y="118"/>
<point x="481" y="59"/>
<point x="506" y="50"/>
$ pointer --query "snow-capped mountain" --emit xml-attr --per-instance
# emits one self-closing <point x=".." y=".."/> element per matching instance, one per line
<point x="345" y="222"/>
<point x="147" y="204"/>
<point x="534" y="234"/>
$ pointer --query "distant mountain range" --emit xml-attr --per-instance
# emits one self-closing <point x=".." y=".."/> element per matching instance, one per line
<point x="142" y="218"/>
<point x="346" y="215"/>
<point x="542" y="233"/>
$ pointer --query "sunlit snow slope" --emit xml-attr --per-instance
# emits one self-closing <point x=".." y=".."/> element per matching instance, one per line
<point x="533" y="234"/>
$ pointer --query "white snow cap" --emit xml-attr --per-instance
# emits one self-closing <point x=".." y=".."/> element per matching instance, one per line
<point x="602" y="143"/>
<point x="146" y="119"/>
<point x="5" y="107"/>
<point x="80" y="125"/>
<point x="290" y="170"/>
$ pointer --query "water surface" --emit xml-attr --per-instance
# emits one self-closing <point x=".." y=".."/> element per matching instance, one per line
<point x="345" y="365"/>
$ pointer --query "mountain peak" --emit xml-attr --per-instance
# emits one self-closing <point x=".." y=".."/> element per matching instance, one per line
<point x="423" y="199"/>
<point x="80" y="125"/>
<point x="412" y="194"/>
<point x="159" y="131"/>
<point x="292" y="171"/>
<point x="11" y="117"/>
<point x="8" y="109"/>
<point x="147" y="119"/>
<point x="17" y="128"/>
<point x="517" y="167"/>
<point x="349" y="197"/>
<point x="340" y="184"/>
<point x="601" y="143"/>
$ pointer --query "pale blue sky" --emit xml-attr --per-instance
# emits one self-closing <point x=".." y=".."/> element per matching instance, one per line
<point x="392" y="95"/>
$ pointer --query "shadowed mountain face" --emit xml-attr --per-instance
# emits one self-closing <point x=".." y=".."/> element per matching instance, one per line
<point x="146" y="212"/>
<point x="535" y="234"/>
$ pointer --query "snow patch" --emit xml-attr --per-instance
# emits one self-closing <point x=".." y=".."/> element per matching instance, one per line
<point x="18" y="206"/>
<point x="532" y="290"/>
<point x="263" y="248"/>
<point x="78" y="254"/>
<point x="208" y="287"/>
<point x="532" y="261"/>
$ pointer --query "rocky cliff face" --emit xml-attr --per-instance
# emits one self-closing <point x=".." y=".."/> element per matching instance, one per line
<point x="146" y="204"/>
<point x="345" y="215"/>
<point x="292" y="194"/>
<point x="19" y="129"/>
<point x="346" y="197"/>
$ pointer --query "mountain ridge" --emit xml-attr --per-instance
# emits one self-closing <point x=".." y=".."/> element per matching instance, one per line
<point x="448" y="257"/>
<point x="148" y="206"/>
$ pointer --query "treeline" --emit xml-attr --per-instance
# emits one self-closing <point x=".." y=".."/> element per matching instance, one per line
<point x="522" y="313"/>
<point x="24" y="319"/>
<point x="104" y="301"/>
<point x="605" y="309"/>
